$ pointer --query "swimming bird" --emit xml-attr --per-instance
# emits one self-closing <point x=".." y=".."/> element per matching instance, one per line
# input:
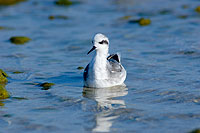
<point x="104" y="70"/>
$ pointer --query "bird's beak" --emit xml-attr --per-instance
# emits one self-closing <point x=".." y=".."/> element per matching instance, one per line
<point x="93" y="48"/>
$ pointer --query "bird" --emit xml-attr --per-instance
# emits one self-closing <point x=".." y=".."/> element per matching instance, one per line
<point x="104" y="70"/>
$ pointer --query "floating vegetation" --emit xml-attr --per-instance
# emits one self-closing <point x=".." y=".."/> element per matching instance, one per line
<point x="10" y="2"/>
<point x="19" y="40"/>
<point x="80" y="68"/>
<point x="32" y="83"/>
<point x="3" y="77"/>
<point x="141" y="21"/>
<point x="57" y="17"/>
<point x="3" y="92"/>
<point x="20" y="98"/>
<point x="1" y="103"/>
<point x="144" y="22"/>
<point x="17" y="72"/>
<point x="125" y="18"/>
<point x="2" y="28"/>
<point x="183" y="16"/>
<point x="46" y="85"/>
<point x="195" y="131"/>
<point x="64" y="2"/>
<point x="197" y="9"/>
<point x="3" y="80"/>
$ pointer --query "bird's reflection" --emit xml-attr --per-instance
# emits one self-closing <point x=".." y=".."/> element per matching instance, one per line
<point x="107" y="101"/>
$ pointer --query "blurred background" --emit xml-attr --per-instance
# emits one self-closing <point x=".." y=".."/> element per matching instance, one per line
<point x="43" y="50"/>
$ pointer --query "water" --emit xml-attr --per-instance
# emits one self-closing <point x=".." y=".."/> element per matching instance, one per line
<point x="161" y="59"/>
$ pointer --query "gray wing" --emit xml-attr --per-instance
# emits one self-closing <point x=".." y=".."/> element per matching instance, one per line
<point x="114" y="65"/>
<point x="85" y="74"/>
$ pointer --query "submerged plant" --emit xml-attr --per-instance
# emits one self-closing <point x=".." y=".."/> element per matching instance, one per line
<point x="3" y="77"/>
<point x="64" y="2"/>
<point x="197" y="9"/>
<point x="3" y="92"/>
<point x="80" y="68"/>
<point x="141" y="21"/>
<point x="10" y="2"/>
<point x="195" y="131"/>
<point x="46" y="85"/>
<point x="19" y="40"/>
<point x="58" y="17"/>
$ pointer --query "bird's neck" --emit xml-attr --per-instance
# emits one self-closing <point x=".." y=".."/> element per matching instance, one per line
<point x="100" y="65"/>
<point x="102" y="52"/>
<point x="101" y="55"/>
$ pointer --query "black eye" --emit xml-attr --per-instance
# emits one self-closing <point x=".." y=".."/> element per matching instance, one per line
<point x="104" y="42"/>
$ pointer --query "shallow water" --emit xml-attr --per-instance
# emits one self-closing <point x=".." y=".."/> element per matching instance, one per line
<point x="161" y="59"/>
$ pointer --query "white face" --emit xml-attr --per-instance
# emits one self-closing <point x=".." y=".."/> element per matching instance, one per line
<point x="100" y="40"/>
<point x="100" y="43"/>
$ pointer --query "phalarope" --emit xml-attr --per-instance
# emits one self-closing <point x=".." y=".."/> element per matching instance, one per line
<point x="104" y="70"/>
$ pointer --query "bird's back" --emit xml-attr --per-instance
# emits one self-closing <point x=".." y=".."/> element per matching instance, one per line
<point x="115" y="68"/>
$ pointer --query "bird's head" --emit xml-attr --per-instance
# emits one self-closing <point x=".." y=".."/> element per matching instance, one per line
<point x="100" y="43"/>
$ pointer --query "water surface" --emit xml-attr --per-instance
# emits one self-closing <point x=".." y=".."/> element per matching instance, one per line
<point x="161" y="59"/>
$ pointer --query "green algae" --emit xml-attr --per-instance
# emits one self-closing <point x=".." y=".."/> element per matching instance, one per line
<point x="80" y="68"/>
<point x="195" y="131"/>
<point x="32" y="83"/>
<point x="3" y="92"/>
<point x="3" y="77"/>
<point x="144" y="22"/>
<point x="197" y="9"/>
<point x="5" y="28"/>
<point x="46" y="85"/>
<point x="125" y="18"/>
<point x="17" y="72"/>
<point x="19" y="40"/>
<point x="57" y="17"/>
<point x="1" y="103"/>
<point x="10" y="2"/>
<point x="141" y="21"/>
<point x="2" y="28"/>
<point x="19" y="98"/>
<point x="3" y="80"/>
<point x="183" y="16"/>
<point x="64" y="2"/>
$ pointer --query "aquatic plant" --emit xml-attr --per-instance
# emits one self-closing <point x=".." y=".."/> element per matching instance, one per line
<point x="197" y="9"/>
<point x="46" y="85"/>
<point x="125" y="18"/>
<point x="3" y="92"/>
<point x="80" y="68"/>
<point x="3" y="77"/>
<point x="17" y="72"/>
<point x="57" y="17"/>
<point x="183" y="16"/>
<point x="10" y="2"/>
<point x="2" y="28"/>
<point x="195" y="131"/>
<point x="141" y="21"/>
<point x="144" y="22"/>
<point x="19" y="40"/>
<point x="64" y="2"/>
